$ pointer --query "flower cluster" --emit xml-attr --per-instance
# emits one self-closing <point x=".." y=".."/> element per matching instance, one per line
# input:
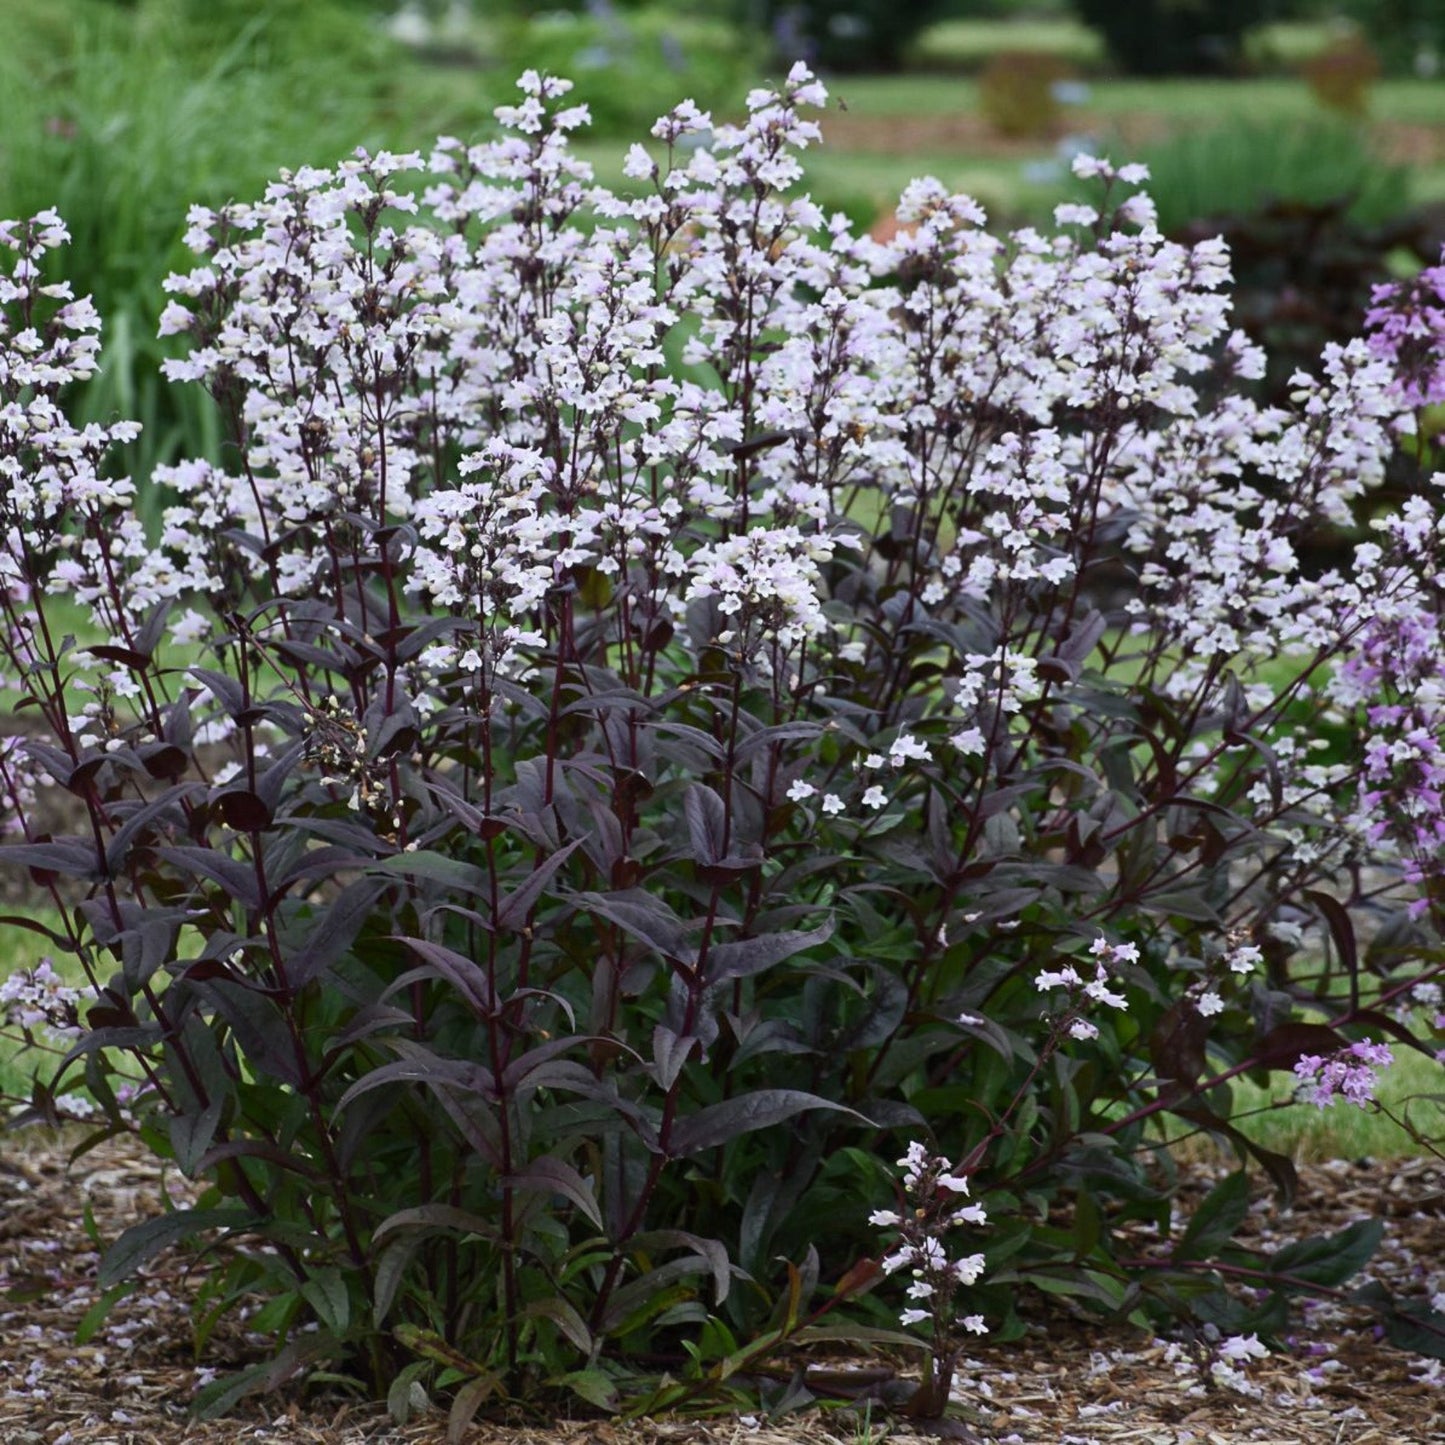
<point x="1220" y="1360"/>
<point x="1108" y="957"/>
<point x="38" y="999"/>
<point x="1406" y="328"/>
<point x="1348" y="1073"/>
<point x="934" y="1197"/>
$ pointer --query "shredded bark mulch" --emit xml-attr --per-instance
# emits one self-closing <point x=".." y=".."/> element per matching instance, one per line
<point x="1067" y="1382"/>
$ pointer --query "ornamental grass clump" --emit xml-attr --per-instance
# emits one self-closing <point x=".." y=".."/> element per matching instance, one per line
<point x="667" y="704"/>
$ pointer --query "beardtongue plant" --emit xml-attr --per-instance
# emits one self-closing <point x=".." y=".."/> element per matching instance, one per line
<point x="664" y="702"/>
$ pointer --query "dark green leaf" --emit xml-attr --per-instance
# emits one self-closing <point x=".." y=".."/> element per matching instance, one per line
<point x="1218" y="1217"/>
<point x="140" y="1244"/>
<point x="1332" y="1260"/>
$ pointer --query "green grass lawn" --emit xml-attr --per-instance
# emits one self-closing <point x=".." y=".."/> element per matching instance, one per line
<point x="1118" y="113"/>
<point x="1306" y="1133"/>
<point x="1182" y="100"/>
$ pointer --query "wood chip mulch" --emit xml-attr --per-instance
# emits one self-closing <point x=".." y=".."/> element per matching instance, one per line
<point x="1068" y="1382"/>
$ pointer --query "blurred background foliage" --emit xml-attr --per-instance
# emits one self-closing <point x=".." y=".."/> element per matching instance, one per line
<point x="122" y="113"/>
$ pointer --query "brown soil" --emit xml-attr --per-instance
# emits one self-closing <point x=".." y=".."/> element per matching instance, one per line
<point x="1067" y="1382"/>
<point x="967" y="133"/>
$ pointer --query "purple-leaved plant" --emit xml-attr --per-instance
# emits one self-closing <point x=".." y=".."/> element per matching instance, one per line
<point x="661" y="699"/>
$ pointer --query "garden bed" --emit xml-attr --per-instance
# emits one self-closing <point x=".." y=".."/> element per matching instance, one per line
<point x="1066" y="1381"/>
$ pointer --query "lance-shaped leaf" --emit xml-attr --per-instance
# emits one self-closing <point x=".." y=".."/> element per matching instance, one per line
<point x="466" y="878"/>
<point x="431" y="1218"/>
<point x="707" y="827"/>
<point x="548" y="1175"/>
<point x="721" y="1123"/>
<point x="467" y="977"/>
<point x="641" y="916"/>
<point x="238" y="879"/>
<point x="1330" y="1261"/>
<point x="1214" y="1223"/>
<point x="71" y="857"/>
<point x="140" y="1244"/>
<point x="517" y="906"/>
<point x="335" y="930"/>
<point x="747" y="956"/>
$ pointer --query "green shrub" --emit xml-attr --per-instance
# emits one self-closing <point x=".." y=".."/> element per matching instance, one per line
<point x="847" y="35"/>
<point x="1240" y="166"/>
<point x="968" y="45"/>
<point x="1340" y="77"/>
<point x="1016" y="93"/>
<point x="1173" y="37"/>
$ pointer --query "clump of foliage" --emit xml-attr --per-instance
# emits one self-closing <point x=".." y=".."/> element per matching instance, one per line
<point x="1402" y="31"/>
<point x="845" y="35"/>
<point x="1341" y="75"/>
<point x="1243" y="166"/>
<point x="1016" y="93"/>
<point x="671" y="734"/>
<point x="631" y="63"/>
<point x="1174" y="37"/>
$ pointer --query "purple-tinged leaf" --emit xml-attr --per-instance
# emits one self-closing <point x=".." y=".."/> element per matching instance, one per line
<point x="561" y="1313"/>
<point x="225" y="689"/>
<point x="70" y="857"/>
<point x="335" y="931"/>
<point x="191" y="1132"/>
<point x="641" y="916"/>
<point x="719" y="1124"/>
<point x="1177" y="1044"/>
<point x="258" y="1149"/>
<point x="669" y="1053"/>
<point x="242" y="810"/>
<point x="466" y="878"/>
<point x="1342" y="931"/>
<point x="748" y="956"/>
<point x="549" y="1175"/>
<point x="1284" y="1045"/>
<point x="237" y="879"/>
<point x="428" y="1218"/>
<point x="165" y="805"/>
<point x="516" y="908"/>
<point x="707" y="824"/>
<point x="466" y="976"/>
<point x="126" y="656"/>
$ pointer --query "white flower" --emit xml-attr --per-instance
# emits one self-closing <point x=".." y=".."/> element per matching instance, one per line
<point x="968" y="1269"/>
<point x="1242" y="1347"/>
<point x="875" y="797"/>
<point x="799" y="791"/>
<point x="832" y="804"/>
